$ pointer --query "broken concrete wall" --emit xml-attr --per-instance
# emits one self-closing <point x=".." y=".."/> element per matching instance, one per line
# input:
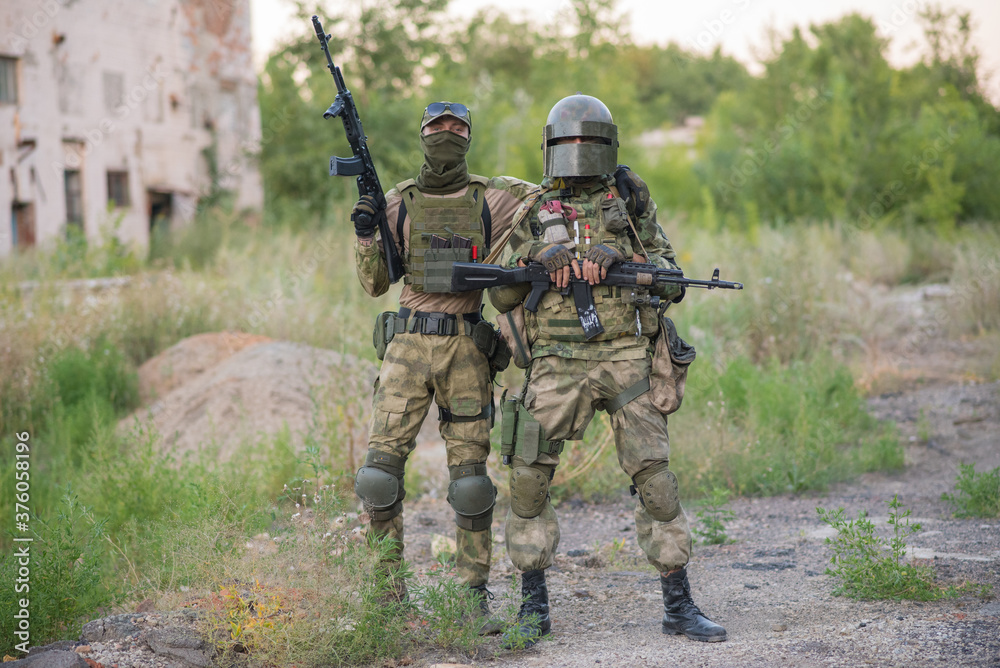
<point x="140" y="89"/>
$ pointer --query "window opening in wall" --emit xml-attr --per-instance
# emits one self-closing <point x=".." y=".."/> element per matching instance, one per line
<point x="8" y="80"/>
<point x="74" y="197"/>
<point x="161" y="209"/>
<point x="22" y="225"/>
<point x="118" y="193"/>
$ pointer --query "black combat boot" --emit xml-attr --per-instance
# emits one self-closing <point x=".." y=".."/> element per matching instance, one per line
<point x="681" y="615"/>
<point x="533" y="618"/>
<point x="487" y="624"/>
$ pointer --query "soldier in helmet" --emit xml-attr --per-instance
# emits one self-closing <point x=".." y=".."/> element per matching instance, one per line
<point x="591" y="214"/>
<point x="437" y="346"/>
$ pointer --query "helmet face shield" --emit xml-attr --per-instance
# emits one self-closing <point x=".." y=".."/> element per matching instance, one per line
<point x="580" y="138"/>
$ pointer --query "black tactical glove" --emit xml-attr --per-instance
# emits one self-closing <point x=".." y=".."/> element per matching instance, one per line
<point x="553" y="256"/>
<point x="604" y="255"/>
<point x="632" y="189"/>
<point x="363" y="216"/>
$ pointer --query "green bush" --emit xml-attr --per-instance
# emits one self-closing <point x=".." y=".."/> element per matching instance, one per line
<point x="68" y="558"/>
<point x="775" y="429"/>
<point x="450" y="609"/>
<point x="195" y="245"/>
<point x="751" y="430"/>
<point x="869" y="567"/>
<point x="977" y="494"/>
<point x="93" y="386"/>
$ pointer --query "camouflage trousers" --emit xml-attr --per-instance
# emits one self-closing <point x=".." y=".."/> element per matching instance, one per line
<point x="563" y="395"/>
<point x="417" y="369"/>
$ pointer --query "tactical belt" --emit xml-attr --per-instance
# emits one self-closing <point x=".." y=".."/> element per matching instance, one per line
<point x="442" y="324"/>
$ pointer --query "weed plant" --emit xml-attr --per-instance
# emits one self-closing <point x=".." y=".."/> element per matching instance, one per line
<point x="867" y="566"/>
<point x="712" y="518"/>
<point x="976" y="494"/>
<point x="449" y="611"/>
<point x="66" y="583"/>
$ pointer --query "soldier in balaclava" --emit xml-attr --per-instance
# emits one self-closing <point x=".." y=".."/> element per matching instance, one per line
<point x="437" y="346"/>
<point x="592" y="213"/>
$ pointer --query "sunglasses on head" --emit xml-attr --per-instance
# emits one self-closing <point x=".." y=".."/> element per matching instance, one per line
<point x="456" y="109"/>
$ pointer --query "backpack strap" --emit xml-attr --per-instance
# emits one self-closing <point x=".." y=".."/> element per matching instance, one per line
<point x="400" y="220"/>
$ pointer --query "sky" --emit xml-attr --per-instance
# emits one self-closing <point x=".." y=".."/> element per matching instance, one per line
<point x="738" y="26"/>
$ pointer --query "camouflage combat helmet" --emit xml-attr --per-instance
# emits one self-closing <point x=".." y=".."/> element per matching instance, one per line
<point x="580" y="116"/>
<point x="453" y="109"/>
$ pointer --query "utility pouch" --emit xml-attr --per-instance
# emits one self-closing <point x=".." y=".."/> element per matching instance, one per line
<point x="508" y="424"/>
<point x="614" y="214"/>
<point x="556" y="233"/>
<point x="484" y="335"/>
<point x="385" y="329"/>
<point x="487" y="339"/>
<point x="521" y="434"/>
<point x="515" y="334"/>
<point x="437" y="267"/>
<point x="671" y="359"/>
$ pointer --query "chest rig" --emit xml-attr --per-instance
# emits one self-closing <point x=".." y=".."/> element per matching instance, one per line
<point x="607" y="217"/>
<point x="443" y="230"/>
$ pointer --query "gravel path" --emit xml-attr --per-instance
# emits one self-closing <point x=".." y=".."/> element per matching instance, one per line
<point x="768" y="588"/>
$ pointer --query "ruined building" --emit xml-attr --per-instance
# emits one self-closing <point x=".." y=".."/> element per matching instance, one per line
<point x="118" y="111"/>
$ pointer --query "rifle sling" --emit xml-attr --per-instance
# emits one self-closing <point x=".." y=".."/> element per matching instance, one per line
<point x="529" y="202"/>
<point x="614" y="191"/>
<point x="627" y="395"/>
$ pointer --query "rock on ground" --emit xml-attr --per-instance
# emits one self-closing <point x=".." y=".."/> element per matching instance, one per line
<point x="150" y="640"/>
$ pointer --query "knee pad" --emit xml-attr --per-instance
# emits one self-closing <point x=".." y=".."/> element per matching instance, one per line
<point x="529" y="488"/>
<point x="657" y="490"/>
<point x="472" y="495"/>
<point x="379" y="485"/>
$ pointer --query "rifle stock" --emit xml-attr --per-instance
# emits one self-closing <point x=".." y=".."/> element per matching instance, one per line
<point x="361" y="165"/>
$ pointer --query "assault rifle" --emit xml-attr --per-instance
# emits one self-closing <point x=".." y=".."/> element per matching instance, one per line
<point x="468" y="276"/>
<point x="361" y="164"/>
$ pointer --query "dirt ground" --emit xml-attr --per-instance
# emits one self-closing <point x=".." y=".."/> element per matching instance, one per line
<point x="768" y="586"/>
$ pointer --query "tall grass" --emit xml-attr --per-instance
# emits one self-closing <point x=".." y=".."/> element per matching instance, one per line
<point x="750" y="430"/>
<point x="771" y="406"/>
